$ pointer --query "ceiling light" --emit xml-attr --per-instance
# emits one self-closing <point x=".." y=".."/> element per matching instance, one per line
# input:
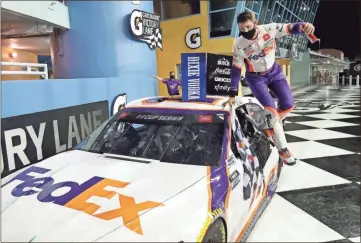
<point x="13" y="55"/>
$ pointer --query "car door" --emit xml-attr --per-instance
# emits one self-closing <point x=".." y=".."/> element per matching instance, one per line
<point x="244" y="174"/>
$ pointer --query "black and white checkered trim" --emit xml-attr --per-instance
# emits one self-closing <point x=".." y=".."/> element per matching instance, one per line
<point x="154" y="40"/>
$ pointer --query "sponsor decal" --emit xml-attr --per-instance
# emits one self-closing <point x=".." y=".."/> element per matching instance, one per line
<point x="193" y="76"/>
<point x="231" y="161"/>
<point x="223" y="80"/>
<point x="266" y="37"/>
<point x="193" y="38"/>
<point x="224" y="62"/>
<point x="30" y="138"/>
<point x="263" y="53"/>
<point x="224" y="71"/>
<point x="119" y="103"/>
<point x="160" y="118"/>
<point x="146" y="28"/>
<point x="210" y="219"/>
<point x="272" y="186"/>
<point x="248" y="48"/>
<point x="33" y="183"/>
<point x="234" y="178"/>
<point x="205" y="119"/>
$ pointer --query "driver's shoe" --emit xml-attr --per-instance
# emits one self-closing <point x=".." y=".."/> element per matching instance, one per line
<point x="287" y="157"/>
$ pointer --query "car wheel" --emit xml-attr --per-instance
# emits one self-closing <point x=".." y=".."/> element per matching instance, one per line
<point x="216" y="232"/>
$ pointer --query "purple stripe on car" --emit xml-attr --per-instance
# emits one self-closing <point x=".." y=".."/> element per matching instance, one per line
<point x="219" y="178"/>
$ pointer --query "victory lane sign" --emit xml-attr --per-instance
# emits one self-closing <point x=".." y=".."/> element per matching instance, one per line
<point x="30" y="138"/>
<point x="146" y="27"/>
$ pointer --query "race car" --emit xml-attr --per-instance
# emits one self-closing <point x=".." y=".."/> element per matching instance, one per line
<point x="159" y="170"/>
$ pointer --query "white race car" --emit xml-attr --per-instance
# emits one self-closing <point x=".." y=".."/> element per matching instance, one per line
<point x="159" y="170"/>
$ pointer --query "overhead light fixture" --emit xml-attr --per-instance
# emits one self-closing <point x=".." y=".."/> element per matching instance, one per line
<point x="136" y="2"/>
<point x="13" y="55"/>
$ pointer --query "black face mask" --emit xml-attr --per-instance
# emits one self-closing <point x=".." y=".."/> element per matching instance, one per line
<point x="171" y="76"/>
<point x="249" y="34"/>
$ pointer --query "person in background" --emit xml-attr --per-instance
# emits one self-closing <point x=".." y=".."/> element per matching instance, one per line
<point x="171" y="83"/>
<point x="256" y="48"/>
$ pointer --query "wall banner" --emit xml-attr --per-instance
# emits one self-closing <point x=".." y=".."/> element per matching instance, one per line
<point x="30" y="138"/>
<point x="193" y="76"/>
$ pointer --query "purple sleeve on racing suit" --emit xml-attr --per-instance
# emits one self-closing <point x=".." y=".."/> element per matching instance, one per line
<point x="235" y="75"/>
<point x="297" y="28"/>
<point x="180" y="82"/>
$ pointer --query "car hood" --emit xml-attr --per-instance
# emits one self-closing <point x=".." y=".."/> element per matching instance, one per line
<point x="84" y="196"/>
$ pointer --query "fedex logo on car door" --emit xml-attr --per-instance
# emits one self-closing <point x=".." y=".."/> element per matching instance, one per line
<point x="76" y="198"/>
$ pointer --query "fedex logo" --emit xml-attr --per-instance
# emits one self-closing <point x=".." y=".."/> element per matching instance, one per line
<point x="263" y="53"/>
<point x="257" y="56"/>
<point x="77" y="195"/>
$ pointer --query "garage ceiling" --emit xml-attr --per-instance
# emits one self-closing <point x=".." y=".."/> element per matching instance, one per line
<point x="20" y="32"/>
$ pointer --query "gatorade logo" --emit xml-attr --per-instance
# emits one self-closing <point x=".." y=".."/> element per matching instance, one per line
<point x="193" y="38"/>
<point x="77" y="196"/>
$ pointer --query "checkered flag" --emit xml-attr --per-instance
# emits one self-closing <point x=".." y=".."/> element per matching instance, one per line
<point x="250" y="162"/>
<point x="154" y="40"/>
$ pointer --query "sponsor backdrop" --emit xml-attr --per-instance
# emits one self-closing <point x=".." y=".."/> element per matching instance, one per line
<point x="33" y="137"/>
<point x="219" y="75"/>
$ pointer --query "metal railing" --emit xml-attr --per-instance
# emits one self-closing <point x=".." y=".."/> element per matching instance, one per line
<point x="348" y="81"/>
<point x="28" y="69"/>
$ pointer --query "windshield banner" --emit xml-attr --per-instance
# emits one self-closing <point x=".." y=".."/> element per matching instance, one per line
<point x="142" y="117"/>
<point x="193" y="77"/>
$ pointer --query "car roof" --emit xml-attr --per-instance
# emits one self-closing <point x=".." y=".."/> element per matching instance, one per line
<point x="212" y="103"/>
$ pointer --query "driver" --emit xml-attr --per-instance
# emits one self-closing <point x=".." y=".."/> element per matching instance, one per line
<point x="256" y="48"/>
<point x="172" y="83"/>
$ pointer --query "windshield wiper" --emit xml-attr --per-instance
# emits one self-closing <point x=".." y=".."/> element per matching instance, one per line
<point x="128" y="158"/>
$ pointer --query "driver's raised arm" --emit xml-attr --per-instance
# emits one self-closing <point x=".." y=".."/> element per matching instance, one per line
<point x="280" y="30"/>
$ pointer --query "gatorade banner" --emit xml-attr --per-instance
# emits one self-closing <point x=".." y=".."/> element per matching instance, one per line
<point x="219" y="76"/>
<point x="193" y="76"/>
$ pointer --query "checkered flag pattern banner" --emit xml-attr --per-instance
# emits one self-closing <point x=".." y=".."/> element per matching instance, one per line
<point x="154" y="40"/>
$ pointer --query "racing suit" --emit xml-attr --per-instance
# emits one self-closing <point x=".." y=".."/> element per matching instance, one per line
<point x="172" y="85"/>
<point x="263" y="73"/>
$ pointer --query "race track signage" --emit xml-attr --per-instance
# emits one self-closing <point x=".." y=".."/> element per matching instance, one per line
<point x="193" y="76"/>
<point x="30" y="138"/>
<point x="146" y="27"/>
<point x="193" y="38"/>
<point x="219" y="75"/>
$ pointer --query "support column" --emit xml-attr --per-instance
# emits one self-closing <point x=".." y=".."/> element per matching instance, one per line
<point x="99" y="44"/>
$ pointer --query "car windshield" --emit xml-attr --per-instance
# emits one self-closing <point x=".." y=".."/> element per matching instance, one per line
<point x="194" y="139"/>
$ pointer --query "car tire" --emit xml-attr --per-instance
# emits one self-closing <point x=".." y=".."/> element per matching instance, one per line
<point x="216" y="232"/>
